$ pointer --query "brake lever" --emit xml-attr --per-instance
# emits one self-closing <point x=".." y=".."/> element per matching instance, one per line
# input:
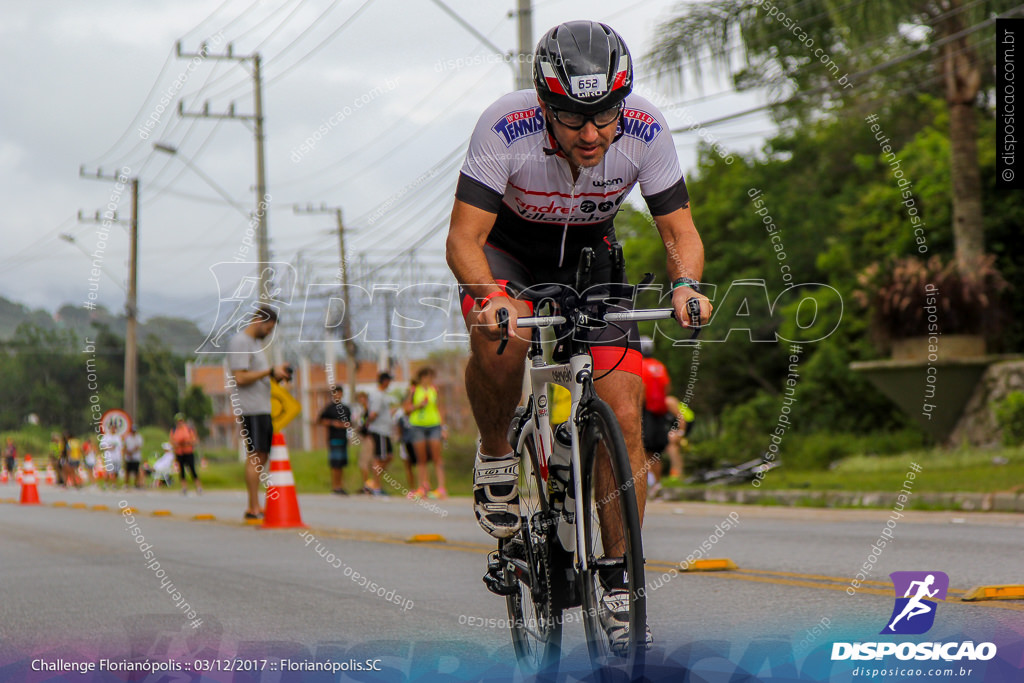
<point x="693" y="311"/>
<point x="502" y="318"/>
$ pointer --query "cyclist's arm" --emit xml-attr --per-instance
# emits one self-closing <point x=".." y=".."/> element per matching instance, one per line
<point x="467" y="235"/>
<point x="685" y="259"/>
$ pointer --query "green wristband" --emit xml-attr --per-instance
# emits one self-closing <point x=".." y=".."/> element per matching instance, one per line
<point x="686" y="282"/>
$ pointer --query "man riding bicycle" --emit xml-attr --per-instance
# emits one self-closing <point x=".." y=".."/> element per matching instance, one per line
<point x="544" y="176"/>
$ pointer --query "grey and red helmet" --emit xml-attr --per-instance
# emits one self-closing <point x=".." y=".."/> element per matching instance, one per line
<point x="582" y="66"/>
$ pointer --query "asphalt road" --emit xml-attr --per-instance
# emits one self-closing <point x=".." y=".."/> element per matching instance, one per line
<point x="74" y="583"/>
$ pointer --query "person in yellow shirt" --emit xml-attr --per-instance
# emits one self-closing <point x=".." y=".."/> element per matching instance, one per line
<point x="426" y="420"/>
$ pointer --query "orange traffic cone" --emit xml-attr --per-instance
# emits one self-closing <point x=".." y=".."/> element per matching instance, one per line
<point x="51" y="476"/>
<point x="29" y="492"/>
<point x="18" y="476"/>
<point x="4" y="477"/>
<point x="282" y="503"/>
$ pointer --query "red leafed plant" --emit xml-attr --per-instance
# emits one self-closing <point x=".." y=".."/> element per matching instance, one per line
<point x="897" y="292"/>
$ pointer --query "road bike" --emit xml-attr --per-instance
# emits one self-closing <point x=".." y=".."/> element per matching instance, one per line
<point x="555" y="561"/>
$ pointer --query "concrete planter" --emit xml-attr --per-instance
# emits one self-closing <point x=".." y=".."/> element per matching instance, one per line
<point x="947" y="347"/>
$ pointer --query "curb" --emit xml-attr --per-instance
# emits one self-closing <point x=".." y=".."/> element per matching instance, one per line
<point x="962" y="501"/>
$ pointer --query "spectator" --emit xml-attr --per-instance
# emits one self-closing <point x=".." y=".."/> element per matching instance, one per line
<point x="405" y="450"/>
<point x="111" y="445"/>
<point x="184" y="438"/>
<point x="10" y="454"/>
<point x="89" y="458"/>
<point x="427" y="419"/>
<point x="74" y="459"/>
<point x="380" y="423"/>
<point x="365" y="443"/>
<point x="249" y="375"/>
<point x="337" y="417"/>
<point x="133" y="458"/>
<point x="677" y="442"/>
<point x="163" y="468"/>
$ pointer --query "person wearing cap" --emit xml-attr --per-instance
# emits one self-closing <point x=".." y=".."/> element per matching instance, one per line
<point x="183" y="439"/>
<point x="248" y="382"/>
<point x="545" y="173"/>
<point x="337" y="418"/>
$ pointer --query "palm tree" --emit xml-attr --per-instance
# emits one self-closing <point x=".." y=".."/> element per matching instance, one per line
<point x="859" y="34"/>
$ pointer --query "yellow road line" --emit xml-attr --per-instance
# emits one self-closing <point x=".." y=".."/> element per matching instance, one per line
<point x="778" y="578"/>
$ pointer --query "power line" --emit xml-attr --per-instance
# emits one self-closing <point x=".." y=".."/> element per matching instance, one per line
<point x="355" y="15"/>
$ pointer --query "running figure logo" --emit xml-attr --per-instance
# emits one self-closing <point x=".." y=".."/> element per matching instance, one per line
<point x="914" y="612"/>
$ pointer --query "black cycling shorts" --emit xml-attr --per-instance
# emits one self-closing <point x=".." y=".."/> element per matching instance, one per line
<point x="611" y="346"/>
<point x="655" y="431"/>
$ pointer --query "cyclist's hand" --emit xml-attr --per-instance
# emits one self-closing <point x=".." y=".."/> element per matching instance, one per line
<point x="680" y="295"/>
<point x="487" y="320"/>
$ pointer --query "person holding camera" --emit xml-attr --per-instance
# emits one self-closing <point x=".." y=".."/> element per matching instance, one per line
<point x="248" y="383"/>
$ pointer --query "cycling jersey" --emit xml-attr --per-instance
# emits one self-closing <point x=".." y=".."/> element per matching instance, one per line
<point x="655" y="378"/>
<point x="545" y="218"/>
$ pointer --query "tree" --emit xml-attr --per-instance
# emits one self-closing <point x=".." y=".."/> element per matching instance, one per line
<point x="776" y="53"/>
<point x="198" y="408"/>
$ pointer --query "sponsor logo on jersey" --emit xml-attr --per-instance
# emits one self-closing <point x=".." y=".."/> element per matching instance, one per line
<point x="586" y="211"/>
<point x="519" y="124"/>
<point x="640" y="125"/>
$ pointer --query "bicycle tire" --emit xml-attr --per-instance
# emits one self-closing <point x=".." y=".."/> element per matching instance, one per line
<point x="601" y="439"/>
<point x="535" y="625"/>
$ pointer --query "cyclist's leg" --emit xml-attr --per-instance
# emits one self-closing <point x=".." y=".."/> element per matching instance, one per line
<point x="494" y="383"/>
<point x="494" y="387"/>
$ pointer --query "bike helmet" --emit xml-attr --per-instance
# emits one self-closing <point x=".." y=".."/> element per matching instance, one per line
<point x="582" y="66"/>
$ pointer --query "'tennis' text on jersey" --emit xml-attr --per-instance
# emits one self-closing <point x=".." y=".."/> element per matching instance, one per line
<point x="640" y="125"/>
<point x="517" y="124"/>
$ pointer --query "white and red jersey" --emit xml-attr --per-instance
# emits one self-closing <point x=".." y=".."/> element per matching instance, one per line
<point x="542" y="214"/>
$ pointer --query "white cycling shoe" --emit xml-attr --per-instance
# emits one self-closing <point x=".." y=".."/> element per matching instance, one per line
<point x="496" y="494"/>
<point x="613" y="610"/>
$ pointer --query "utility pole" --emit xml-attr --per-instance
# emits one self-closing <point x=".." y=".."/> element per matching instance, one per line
<point x="256" y="117"/>
<point x="131" y="353"/>
<point x="524" y="72"/>
<point x="346" y="321"/>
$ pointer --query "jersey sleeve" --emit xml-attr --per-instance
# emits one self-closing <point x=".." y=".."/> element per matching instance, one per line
<point x="486" y="170"/>
<point x="660" y="177"/>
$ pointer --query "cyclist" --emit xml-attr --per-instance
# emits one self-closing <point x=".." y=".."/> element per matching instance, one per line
<point x="544" y="175"/>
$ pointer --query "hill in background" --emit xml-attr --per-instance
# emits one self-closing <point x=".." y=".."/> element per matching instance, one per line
<point x="179" y="335"/>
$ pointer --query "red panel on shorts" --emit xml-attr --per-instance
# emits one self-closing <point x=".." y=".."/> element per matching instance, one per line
<point x="468" y="302"/>
<point x="605" y="357"/>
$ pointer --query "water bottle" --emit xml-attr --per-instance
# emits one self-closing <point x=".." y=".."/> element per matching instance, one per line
<point x="561" y="488"/>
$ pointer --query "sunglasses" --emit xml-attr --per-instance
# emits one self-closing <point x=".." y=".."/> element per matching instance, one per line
<point x="575" y="121"/>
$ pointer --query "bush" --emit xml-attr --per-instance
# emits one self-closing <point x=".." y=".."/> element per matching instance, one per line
<point x="1010" y="416"/>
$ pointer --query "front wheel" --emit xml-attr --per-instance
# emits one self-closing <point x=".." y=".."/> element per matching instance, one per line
<point x="535" y="617"/>
<point x="611" y="533"/>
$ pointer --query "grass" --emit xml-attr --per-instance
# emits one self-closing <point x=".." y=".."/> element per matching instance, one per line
<point x="312" y="474"/>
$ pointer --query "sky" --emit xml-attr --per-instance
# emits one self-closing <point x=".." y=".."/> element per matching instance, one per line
<point x="368" y="105"/>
